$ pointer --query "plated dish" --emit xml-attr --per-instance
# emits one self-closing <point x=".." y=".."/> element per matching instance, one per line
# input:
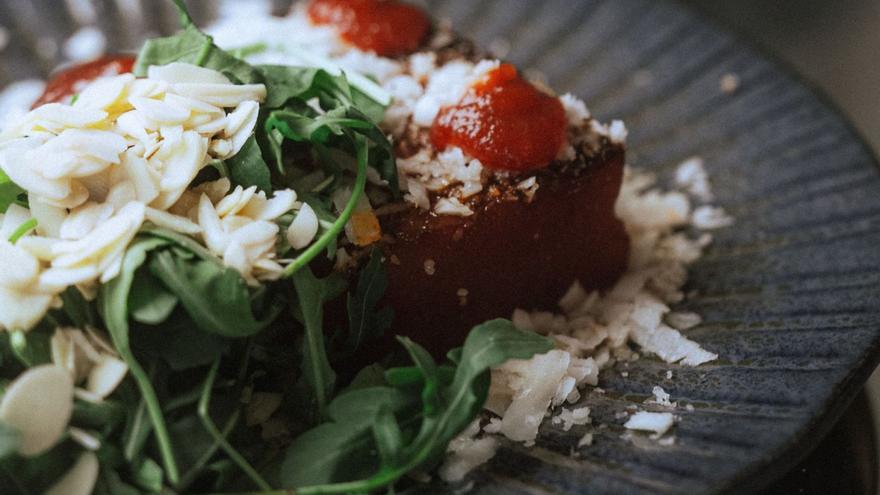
<point x="574" y="415"/>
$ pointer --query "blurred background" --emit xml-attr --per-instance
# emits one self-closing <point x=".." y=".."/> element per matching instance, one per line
<point x="833" y="44"/>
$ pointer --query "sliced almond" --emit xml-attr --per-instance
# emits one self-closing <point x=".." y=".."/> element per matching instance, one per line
<point x="106" y="375"/>
<point x="39" y="404"/>
<point x="80" y="479"/>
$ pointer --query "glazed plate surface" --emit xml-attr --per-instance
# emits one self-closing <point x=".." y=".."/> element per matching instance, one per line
<point x="790" y="294"/>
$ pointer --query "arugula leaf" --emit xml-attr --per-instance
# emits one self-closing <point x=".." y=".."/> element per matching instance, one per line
<point x="317" y="462"/>
<point x="9" y="191"/>
<point x="113" y="304"/>
<point x="148" y="475"/>
<point x="313" y="293"/>
<point x="284" y="83"/>
<point x="342" y="447"/>
<point x="365" y="320"/>
<point x="194" y="47"/>
<point x="180" y="342"/>
<point x="247" y="168"/>
<point x="216" y="297"/>
<point x="149" y="302"/>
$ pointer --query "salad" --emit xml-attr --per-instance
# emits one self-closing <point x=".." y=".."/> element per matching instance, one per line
<point x="229" y="271"/>
<point x="170" y="338"/>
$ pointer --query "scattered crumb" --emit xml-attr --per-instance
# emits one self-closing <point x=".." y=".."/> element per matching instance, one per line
<point x="729" y="83"/>
<point x="667" y="441"/>
<point x="462" y="296"/>
<point x="669" y="374"/>
<point x="660" y="397"/>
<point x="710" y="218"/>
<point x="430" y="267"/>
<point x="394" y="260"/>
<point x="586" y="440"/>
<point x="571" y="417"/>
<point x="689" y="408"/>
<point x="692" y="177"/>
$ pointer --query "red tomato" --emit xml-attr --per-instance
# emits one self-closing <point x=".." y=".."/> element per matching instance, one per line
<point x="386" y="27"/>
<point x="505" y="122"/>
<point x="70" y="81"/>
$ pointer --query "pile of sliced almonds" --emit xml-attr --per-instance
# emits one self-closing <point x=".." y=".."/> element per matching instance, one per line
<point x="125" y="152"/>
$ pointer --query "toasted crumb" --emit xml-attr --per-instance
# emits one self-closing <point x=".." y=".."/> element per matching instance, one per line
<point x="586" y="440"/>
<point x="729" y="83"/>
<point x="430" y="266"/>
<point x="462" y="296"/>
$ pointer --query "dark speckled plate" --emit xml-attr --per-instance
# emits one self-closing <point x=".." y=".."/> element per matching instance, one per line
<point x="790" y="295"/>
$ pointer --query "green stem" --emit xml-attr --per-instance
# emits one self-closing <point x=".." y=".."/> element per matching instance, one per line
<point x="219" y="437"/>
<point x="205" y="52"/>
<point x="132" y="445"/>
<point x="185" y="19"/>
<point x="333" y="232"/>
<point x="22" y="230"/>
<point x="153" y="408"/>
<point x="199" y="465"/>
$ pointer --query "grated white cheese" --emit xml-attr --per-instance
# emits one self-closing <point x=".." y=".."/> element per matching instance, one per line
<point x="570" y="417"/>
<point x="658" y="423"/>
<point x="691" y="176"/>
<point x="466" y="452"/>
<point x="710" y="218"/>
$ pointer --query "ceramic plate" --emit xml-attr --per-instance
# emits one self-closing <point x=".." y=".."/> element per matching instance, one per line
<point x="790" y="294"/>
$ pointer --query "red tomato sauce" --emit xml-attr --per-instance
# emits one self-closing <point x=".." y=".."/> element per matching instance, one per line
<point x="505" y="122"/>
<point x="386" y="27"/>
<point x="69" y="81"/>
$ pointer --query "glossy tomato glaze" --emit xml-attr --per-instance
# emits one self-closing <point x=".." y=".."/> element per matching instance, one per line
<point x="387" y="27"/>
<point x="448" y="273"/>
<point x="69" y="81"/>
<point x="505" y="122"/>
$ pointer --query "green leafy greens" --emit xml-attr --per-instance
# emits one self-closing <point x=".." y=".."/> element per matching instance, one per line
<point x="367" y="428"/>
<point x="209" y="357"/>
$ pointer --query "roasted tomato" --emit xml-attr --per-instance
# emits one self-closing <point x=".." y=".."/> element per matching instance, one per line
<point x="387" y="27"/>
<point x="505" y="122"/>
<point x="69" y="81"/>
